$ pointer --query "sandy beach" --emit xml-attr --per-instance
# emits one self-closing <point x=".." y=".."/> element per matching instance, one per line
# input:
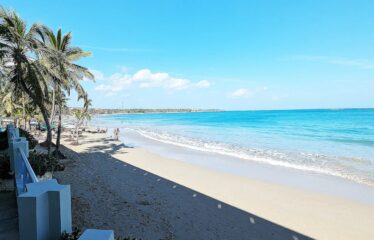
<point x="140" y="194"/>
<point x="186" y="120"/>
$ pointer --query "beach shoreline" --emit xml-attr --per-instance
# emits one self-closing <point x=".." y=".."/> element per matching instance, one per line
<point x="312" y="214"/>
<point x="308" y="140"/>
<point x="308" y="180"/>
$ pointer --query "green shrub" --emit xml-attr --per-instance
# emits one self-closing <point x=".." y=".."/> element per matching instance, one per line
<point x="42" y="163"/>
<point x="32" y="141"/>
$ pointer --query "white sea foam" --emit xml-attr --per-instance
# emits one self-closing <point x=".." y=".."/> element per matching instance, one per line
<point x="317" y="163"/>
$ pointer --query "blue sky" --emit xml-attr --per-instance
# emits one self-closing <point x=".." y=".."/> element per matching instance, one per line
<point x="219" y="54"/>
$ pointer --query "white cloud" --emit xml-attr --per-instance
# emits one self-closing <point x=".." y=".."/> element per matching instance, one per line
<point x="103" y="87"/>
<point x="114" y="83"/>
<point x="203" y="84"/>
<point x="178" y="84"/>
<point x="240" y="93"/>
<point x="148" y="79"/>
<point x="145" y="78"/>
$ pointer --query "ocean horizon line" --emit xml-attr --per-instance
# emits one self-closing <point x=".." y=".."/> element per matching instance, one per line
<point x="301" y="109"/>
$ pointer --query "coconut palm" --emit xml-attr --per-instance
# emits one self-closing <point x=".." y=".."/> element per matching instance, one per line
<point x="10" y="107"/>
<point x="70" y="72"/>
<point x="61" y="99"/>
<point x="16" y="106"/>
<point x="13" y="103"/>
<point x="25" y="55"/>
<point x="81" y="115"/>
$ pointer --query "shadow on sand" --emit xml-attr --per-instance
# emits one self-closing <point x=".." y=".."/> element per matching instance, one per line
<point x="151" y="207"/>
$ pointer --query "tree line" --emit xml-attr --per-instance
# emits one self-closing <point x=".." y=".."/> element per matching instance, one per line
<point x="143" y="110"/>
<point x="38" y="71"/>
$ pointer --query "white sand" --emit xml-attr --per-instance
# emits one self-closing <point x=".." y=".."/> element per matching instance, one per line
<point x="140" y="205"/>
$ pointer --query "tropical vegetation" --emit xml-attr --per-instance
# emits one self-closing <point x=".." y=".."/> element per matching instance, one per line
<point x="38" y="70"/>
<point x="42" y="163"/>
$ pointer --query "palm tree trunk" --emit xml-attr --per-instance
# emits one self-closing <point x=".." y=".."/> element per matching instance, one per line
<point x="39" y="102"/>
<point x="53" y="104"/>
<point x="44" y="112"/>
<point x="59" y="129"/>
<point x="24" y="111"/>
<point x="76" y="135"/>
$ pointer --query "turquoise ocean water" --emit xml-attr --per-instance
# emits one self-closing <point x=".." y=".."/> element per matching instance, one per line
<point x="333" y="142"/>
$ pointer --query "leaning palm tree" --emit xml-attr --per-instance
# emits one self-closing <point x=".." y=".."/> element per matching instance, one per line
<point x="81" y="115"/>
<point x="70" y="72"/>
<point x="24" y="54"/>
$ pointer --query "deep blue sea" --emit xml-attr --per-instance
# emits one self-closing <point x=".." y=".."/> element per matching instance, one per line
<point x="334" y="142"/>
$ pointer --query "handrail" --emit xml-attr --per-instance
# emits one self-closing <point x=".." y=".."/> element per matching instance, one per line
<point x="20" y="165"/>
<point x="12" y="134"/>
<point x="29" y="169"/>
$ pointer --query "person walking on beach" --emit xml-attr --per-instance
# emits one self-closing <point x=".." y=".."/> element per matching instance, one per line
<point x="116" y="134"/>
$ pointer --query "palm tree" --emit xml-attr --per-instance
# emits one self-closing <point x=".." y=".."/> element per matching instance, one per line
<point x="38" y="60"/>
<point x="25" y="54"/>
<point x="11" y="108"/>
<point x="14" y="104"/>
<point x="69" y="72"/>
<point x="61" y="100"/>
<point x="81" y="115"/>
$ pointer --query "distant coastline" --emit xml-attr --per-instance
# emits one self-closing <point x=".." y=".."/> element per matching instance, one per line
<point x="108" y="111"/>
<point x="116" y="111"/>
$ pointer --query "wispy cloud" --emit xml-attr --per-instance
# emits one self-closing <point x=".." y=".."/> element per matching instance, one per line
<point x="246" y="93"/>
<point x="144" y="78"/>
<point x="203" y="84"/>
<point x="109" y="49"/>
<point x="343" y="61"/>
<point x="240" y="93"/>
